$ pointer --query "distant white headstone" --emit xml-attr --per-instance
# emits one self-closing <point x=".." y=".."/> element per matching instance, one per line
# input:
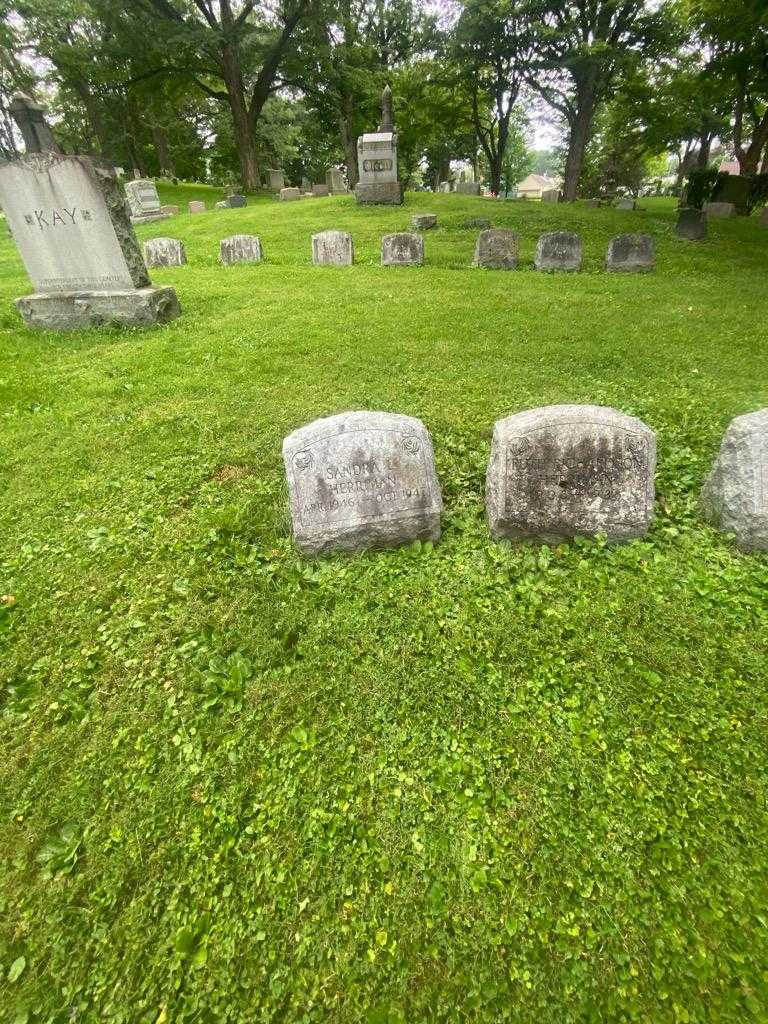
<point x="332" y="248"/>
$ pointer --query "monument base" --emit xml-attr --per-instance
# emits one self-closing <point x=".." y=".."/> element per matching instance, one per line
<point x="147" y="218"/>
<point x="71" y="311"/>
<point x="381" y="193"/>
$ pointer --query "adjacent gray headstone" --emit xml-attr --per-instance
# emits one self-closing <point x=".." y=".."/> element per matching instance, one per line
<point x="276" y="179"/>
<point x="691" y="224"/>
<point x="334" y="179"/>
<point x="720" y="210"/>
<point x="196" y="206"/>
<point x="222" y="204"/>
<point x="630" y="254"/>
<point x="735" y="495"/>
<point x="320" y="190"/>
<point x="445" y="186"/>
<point x="143" y="201"/>
<point x="236" y="202"/>
<point x="164" y="252"/>
<point x="169" y="209"/>
<point x="332" y="249"/>
<point x="478" y="223"/>
<point x="468" y="188"/>
<point x="764" y="217"/>
<point x="570" y="470"/>
<point x="550" y="195"/>
<point x="288" y="195"/>
<point x="69" y="218"/>
<point x="626" y="204"/>
<point x="402" y="250"/>
<point x="497" y="249"/>
<point x="558" y="250"/>
<point x="240" y="249"/>
<point x="423" y="221"/>
<point x="735" y="189"/>
<point x="362" y="480"/>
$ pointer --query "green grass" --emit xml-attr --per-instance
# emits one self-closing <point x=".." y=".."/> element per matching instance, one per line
<point x="474" y="783"/>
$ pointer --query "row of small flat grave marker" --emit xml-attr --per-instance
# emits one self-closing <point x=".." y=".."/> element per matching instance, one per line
<point x="496" y="249"/>
<point x="368" y="480"/>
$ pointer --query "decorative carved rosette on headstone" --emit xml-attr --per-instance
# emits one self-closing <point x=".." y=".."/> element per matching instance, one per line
<point x="361" y="480"/>
<point x="735" y="496"/>
<point x="570" y="470"/>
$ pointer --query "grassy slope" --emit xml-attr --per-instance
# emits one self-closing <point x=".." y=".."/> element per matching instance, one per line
<point x="477" y="783"/>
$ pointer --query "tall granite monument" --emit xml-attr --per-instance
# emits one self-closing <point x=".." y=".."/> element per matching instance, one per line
<point x="69" y="218"/>
<point x="377" y="161"/>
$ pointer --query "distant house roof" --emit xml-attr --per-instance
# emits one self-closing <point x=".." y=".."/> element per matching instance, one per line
<point x="536" y="182"/>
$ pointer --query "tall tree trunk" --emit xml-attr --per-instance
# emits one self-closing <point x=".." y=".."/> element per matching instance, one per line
<point x="163" y="150"/>
<point x="705" y="145"/>
<point x="494" y="166"/>
<point x="348" y="140"/>
<point x="581" y="129"/>
<point x="241" y="122"/>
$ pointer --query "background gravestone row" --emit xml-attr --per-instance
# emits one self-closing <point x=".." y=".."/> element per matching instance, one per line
<point x="368" y="480"/>
<point x="496" y="249"/>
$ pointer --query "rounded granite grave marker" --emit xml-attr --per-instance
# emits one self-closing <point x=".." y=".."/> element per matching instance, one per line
<point x="497" y="249"/>
<point x="164" y="252"/>
<point x="333" y="249"/>
<point x="630" y="254"/>
<point x="240" y="249"/>
<point x="558" y="250"/>
<point x="362" y="480"/>
<point x="735" y="495"/>
<point x="564" y="471"/>
<point x="402" y="250"/>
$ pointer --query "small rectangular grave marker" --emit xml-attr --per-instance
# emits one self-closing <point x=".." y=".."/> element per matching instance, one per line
<point x="558" y="250"/>
<point x="691" y="225"/>
<point x="289" y="195"/>
<point x="402" y="250"/>
<point x="735" y="495"/>
<point x="497" y="249"/>
<point x="360" y="480"/>
<point x="720" y="210"/>
<point x="240" y="249"/>
<point x="196" y="206"/>
<point x="630" y="254"/>
<point x="333" y="249"/>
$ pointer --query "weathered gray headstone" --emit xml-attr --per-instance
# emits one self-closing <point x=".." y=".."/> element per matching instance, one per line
<point x="720" y="210"/>
<point x="143" y="201"/>
<point x="626" y="203"/>
<point x="334" y="179"/>
<point x="333" y="249"/>
<point x="735" y="495"/>
<point x="423" y="221"/>
<point x="240" y="249"/>
<point x="236" y="201"/>
<point x="276" y="179"/>
<point x="570" y="470"/>
<point x="478" y="223"/>
<point x="196" y="206"/>
<point x="69" y="218"/>
<point x="445" y="186"/>
<point x="735" y="189"/>
<point x="222" y="204"/>
<point x="558" y="250"/>
<point x="468" y="188"/>
<point x="320" y="190"/>
<point x="169" y="209"/>
<point x="362" y="480"/>
<point x="630" y="254"/>
<point x="550" y="195"/>
<point x="691" y="224"/>
<point x="377" y="161"/>
<point x="402" y="250"/>
<point x="288" y="195"/>
<point x="497" y="249"/>
<point x="164" y="252"/>
<point x="764" y="217"/>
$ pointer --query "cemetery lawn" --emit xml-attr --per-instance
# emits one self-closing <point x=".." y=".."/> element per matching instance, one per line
<point x="468" y="782"/>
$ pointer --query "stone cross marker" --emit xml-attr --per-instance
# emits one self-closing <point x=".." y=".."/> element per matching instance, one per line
<point x="360" y="480"/>
<point x="377" y="161"/>
<point x="735" y="495"/>
<point x="570" y="470"/>
<point x="69" y="219"/>
<point x="558" y="250"/>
